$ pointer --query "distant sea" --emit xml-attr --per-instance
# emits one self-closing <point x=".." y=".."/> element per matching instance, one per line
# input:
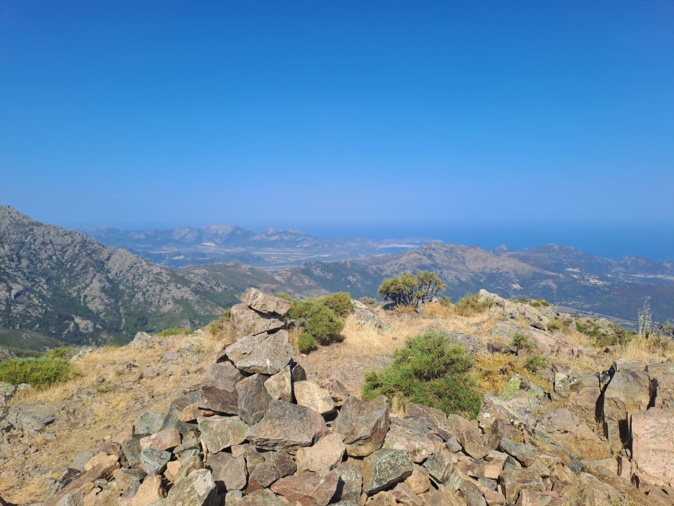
<point x="656" y="243"/>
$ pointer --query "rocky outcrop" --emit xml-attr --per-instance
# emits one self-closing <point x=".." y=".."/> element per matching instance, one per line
<point x="270" y="436"/>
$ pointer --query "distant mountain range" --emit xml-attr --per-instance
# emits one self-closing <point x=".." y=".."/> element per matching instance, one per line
<point x="273" y="250"/>
<point x="58" y="285"/>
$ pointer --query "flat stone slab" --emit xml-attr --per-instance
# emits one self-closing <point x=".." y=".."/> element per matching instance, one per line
<point x="245" y="321"/>
<point x="261" y="354"/>
<point x="288" y="426"/>
<point x="363" y="424"/>
<point x="384" y="468"/>
<point x="265" y="302"/>
<point x="220" y="432"/>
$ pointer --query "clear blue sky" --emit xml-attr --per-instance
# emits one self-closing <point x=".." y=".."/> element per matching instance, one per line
<point x="328" y="114"/>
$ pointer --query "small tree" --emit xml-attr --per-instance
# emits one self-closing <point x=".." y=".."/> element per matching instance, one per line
<point x="411" y="289"/>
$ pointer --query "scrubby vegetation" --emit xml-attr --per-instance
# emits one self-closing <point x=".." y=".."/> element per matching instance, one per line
<point x="471" y="305"/>
<point x="411" y="289"/>
<point x="40" y="372"/>
<point x="319" y="320"/>
<point x="173" y="331"/>
<point x="521" y="342"/>
<point x="429" y="370"/>
<point x="220" y="326"/>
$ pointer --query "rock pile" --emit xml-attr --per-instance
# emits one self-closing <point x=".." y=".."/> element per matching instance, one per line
<point x="257" y="432"/>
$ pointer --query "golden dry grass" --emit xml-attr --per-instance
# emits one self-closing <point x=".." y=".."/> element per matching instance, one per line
<point x="110" y="407"/>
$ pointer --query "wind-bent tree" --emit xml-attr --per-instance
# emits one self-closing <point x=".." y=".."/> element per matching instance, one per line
<point x="408" y="289"/>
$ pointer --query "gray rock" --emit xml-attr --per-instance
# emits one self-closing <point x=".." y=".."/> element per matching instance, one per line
<point x="263" y="354"/>
<point x="276" y="465"/>
<point x="266" y="303"/>
<point x="7" y="391"/>
<point x="81" y="459"/>
<point x="263" y="497"/>
<point x="523" y="452"/>
<point x="287" y="426"/>
<point x="414" y="437"/>
<point x="363" y="424"/>
<point x="253" y="399"/>
<point x="229" y="470"/>
<point x="384" y="468"/>
<point x="32" y="417"/>
<point x="439" y="466"/>
<point x="247" y="322"/>
<point x="311" y="395"/>
<point x="219" y="389"/>
<point x="279" y="386"/>
<point x="131" y="449"/>
<point x="154" y="461"/>
<point x="350" y="483"/>
<point x="149" y="423"/>
<point x="322" y="456"/>
<point x="220" y="432"/>
<point x="195" y="489"/>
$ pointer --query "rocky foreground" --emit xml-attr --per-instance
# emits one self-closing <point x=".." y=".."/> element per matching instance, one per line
<point x="256" y="431"/>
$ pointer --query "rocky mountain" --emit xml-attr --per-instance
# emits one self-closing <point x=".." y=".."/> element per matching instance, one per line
<point x="561" y="275"/>
<point x="273" y="249"/>
<point x="67" y="286"/>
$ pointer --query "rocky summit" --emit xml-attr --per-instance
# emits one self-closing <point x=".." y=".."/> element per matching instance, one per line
<point x="259" y="429"/>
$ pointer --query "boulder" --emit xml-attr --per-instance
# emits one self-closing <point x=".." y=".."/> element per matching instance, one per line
<point x="263" y="353"/>
<point x="149" y="423"/>
<point x="444" y="497"/>
<point x="311" y="395"/>
<point x="287" y="426"/>
<point x="7" y="391"/>
<point x="266" y="303"/>
<point x="384" y="468"/>
<point x="166" y="439"/>
<point x="276" y="465"/>
<point x="350" y="485"/>
<point x="628" y="390"/>
<point x="253" y="399"/>
<point x="194" y="489"/>
<point x="32" y="417"/>
<point x="413" y="436"/>
<point x="662" y="379"/>
<point x="322" y="456"/>
<point x="439" y="466"/>
<point x="220" y="432"/>
<point x="363" y="424"/>
<point x="248" y="322"/>
<point x="279" y="386"/>
<point x="307" y="488"/>
<point x="523" y="452"/>
<point x="230" y="471"/>
<point x="653" y="443"/>
<point x="514" y="480"/>
<point x="264" y="497"/>
<point x="219" y="389"/>
<point x="154" y="461"/>
<point x="419" y="481"/>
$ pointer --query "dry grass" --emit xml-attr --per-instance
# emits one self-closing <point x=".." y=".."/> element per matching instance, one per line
<point x="648" y="348"/>
<point x="493" y="372"/>
<point x="104" y="409"/>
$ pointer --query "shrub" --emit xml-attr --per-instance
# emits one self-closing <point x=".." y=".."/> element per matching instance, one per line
<point x="554" y="325"/>
<point x="62" y="353"/>
<point x="220" y="326"/>
<point x="306" y="343"/>
<point x="173" y="331"/>
<point x="471" y="305"/>
<point x="429" y="370"/>
<point x="38" y="372"/>
<point x="521" y="342"/>
<point x="411" y="289"/>
<point x="369" y="301"/>
<point x="339" y="302"/>
<point x="285" y="296"/>
<point x="317" y="319"/>
<point x="534" y="363"/>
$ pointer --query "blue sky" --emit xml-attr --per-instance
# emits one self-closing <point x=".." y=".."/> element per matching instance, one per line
<point x="321" y="115"/>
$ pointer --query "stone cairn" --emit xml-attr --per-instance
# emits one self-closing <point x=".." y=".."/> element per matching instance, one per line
<point x="257" y="432"/>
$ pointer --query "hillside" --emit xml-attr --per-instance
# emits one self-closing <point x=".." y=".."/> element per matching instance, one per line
<point x="67" y="286"/>
<point x="190" y="417"/>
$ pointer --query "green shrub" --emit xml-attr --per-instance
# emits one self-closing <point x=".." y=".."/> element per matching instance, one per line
<point x="369" y="301"/>
<point x="173" y="331"/>
<point x="554" y="325"/>
<point x="219" y="326"/>
<point x="317" y="319"/>
<point x="62" y="353"/>
<point x="38" y="372"/>
<point x="521" y="342"/>
<point x="430" y="371"/>
<point x="471" y="304"/>
<point x="339" y="302"/>
<point x="285" y="296"/>
<point x="306" y="343"/>
<point x="534" y="363"/>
